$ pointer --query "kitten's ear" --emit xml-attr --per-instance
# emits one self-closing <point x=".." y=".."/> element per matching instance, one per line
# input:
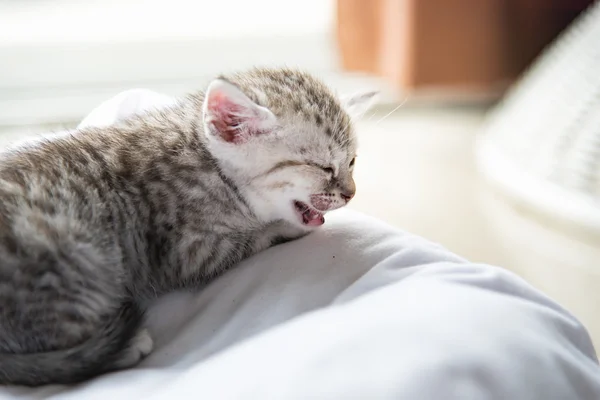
<point x="232" y="116"/>
<point x="359" y="103"/>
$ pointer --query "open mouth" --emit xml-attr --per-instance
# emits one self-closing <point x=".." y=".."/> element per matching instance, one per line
<point x="308" y="215"/>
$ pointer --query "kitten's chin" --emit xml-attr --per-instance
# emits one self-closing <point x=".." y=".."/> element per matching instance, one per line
<point x="308" y="216"/>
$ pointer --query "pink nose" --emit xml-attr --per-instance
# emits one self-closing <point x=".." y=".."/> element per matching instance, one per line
<point x="347" y="196"/>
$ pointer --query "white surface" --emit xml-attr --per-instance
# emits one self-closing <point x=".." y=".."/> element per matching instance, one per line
<point x="357" y="310"/>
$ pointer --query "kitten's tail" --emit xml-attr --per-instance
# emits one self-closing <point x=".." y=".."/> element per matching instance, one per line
<point x="105" y="351"/>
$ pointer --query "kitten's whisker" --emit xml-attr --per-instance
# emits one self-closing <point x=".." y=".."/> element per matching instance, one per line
<point x="393" y="111"/>
<point x="372" y="115"/>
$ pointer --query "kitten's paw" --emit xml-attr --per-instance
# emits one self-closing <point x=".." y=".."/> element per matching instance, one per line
<point x="143" y="342"/>
<point x="141" y="345"/>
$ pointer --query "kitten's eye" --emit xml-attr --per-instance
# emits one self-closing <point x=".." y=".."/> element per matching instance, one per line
<point x="352" y="162"/>
<point x="329" y="170"/>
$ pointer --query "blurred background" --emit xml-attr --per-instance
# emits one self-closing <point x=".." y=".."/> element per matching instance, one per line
<point x="486" y="138"/>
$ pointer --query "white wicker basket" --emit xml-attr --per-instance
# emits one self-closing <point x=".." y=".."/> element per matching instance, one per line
<point x="541" y="144"/>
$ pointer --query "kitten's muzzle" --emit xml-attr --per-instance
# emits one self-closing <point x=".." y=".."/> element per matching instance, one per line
<point x="347" y="196"/>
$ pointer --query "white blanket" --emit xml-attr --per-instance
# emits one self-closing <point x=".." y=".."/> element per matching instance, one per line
<point x="358" y="310"/>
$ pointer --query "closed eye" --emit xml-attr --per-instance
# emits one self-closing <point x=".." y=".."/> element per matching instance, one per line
<point x="328" y="170"/>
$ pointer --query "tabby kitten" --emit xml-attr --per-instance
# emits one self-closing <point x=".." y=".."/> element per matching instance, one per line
<point x="96" y="221"/>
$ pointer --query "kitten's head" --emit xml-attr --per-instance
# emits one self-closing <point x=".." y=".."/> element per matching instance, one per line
<point x="286" y="140"/>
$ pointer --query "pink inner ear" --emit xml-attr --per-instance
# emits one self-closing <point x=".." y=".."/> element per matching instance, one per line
<point x="229" y="119"/>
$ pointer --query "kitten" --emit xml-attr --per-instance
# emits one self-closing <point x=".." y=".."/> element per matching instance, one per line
<point x="95" y="222"/>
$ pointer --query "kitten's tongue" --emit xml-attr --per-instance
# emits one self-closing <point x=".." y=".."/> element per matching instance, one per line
<point x="313" y="218"/>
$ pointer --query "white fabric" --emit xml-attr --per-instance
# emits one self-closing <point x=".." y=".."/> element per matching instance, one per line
<point x="358" y="310"/>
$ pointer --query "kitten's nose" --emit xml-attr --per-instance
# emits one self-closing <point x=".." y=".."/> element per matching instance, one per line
<point x="347" y="196"/>
<point x="347" y="189"/>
